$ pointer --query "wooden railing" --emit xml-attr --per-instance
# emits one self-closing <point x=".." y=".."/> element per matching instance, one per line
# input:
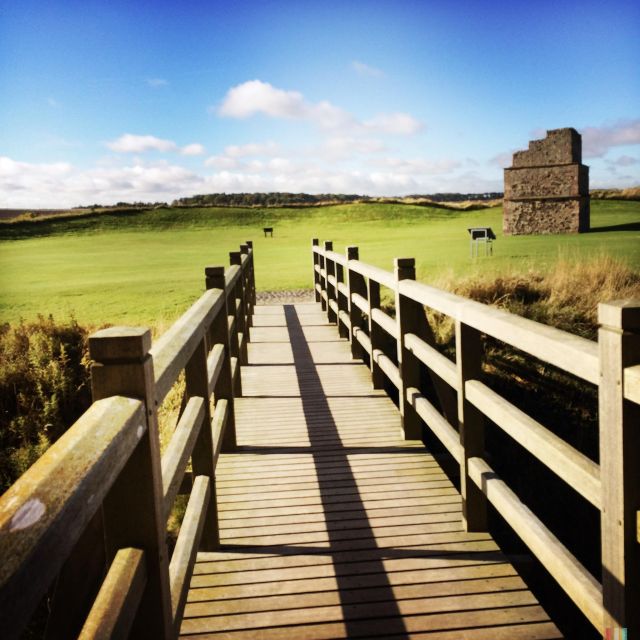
<point x="92" y="512"/>
<point x="349" y="291"/>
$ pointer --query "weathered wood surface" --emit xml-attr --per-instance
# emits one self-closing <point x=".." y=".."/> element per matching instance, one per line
<point x="332" y="525"/>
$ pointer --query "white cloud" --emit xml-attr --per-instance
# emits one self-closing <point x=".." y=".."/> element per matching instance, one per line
<point x="348" y="146"/>
<point x="257" y="97"/>
<point x="157" y="82"/>
<point x="252" y="149"/>
<point x="221" y="162"/>
<point x="396" y="123"/>
<point x="130" y="143"/>
<point x="420" y="166"/>
<point x="596" y="141"/>
<point x="366" y="70"/>
<point x="30" y="185"/>
<point x="194" y="149"/>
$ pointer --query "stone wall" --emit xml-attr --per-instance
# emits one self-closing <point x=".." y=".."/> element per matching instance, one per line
<point x="547" y="188"/>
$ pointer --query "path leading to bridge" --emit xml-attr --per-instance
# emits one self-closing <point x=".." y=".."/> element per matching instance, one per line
<point x="333" y="525"/>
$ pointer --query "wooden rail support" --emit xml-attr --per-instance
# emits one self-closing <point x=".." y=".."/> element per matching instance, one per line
<point x="245" y="250"/>
<point x="619" y="345"/>
<point x="409" y="317"/>
<point x="469" y="357"/>
<point x="219" y="334"/>
<point x="343" y="300"/>
<point x="197" y="385"/>
<point x="323" y="281"/>
<point x="316" y="267"/>
<point x="252" y="275"/>
<point x="239" y="307"/>
<point x="355" y="284"/>
<point x="377" y="334"/>
<point x="135" y="518"/>
<point x="331" y="289"/>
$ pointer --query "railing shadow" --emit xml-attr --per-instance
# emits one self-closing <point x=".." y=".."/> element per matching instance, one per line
<point x="321" y="427"/>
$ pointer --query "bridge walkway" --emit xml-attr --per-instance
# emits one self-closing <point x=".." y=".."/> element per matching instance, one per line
<point x="333" y="525"/>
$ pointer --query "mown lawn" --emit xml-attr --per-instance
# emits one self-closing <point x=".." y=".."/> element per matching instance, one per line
<point x="147" y="267"/>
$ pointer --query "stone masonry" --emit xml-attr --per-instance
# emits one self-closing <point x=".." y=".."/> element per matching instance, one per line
<point x="547" y="188"/>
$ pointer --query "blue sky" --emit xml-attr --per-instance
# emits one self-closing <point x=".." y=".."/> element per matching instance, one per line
<point x="109" y="101"/>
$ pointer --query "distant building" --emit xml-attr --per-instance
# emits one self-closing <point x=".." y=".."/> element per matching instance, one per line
<point x="547" y="188"/>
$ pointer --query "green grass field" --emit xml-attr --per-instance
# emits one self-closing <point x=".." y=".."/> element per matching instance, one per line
<point x="147" y="267"/>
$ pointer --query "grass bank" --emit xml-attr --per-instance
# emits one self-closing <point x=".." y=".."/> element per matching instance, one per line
<point x="146" y="266"/>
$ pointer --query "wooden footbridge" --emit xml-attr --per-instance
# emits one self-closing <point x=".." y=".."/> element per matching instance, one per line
<point x="315" y="510"/>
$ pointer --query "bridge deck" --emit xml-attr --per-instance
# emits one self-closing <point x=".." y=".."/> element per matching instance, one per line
<point x="332" y="525"/>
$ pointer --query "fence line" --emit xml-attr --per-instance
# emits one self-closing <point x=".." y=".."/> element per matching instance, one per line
<point x="349" y="291"/>
<point x="92" y="512"/>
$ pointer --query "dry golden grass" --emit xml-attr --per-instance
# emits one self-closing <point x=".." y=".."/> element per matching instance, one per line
<point x="566" y="296"/>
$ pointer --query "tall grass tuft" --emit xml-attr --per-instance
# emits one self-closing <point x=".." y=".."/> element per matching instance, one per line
<point x="566" y="296"/>
<point x="44" y="388"/>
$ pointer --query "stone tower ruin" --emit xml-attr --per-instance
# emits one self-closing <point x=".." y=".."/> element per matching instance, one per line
<point x="546" y="190"/>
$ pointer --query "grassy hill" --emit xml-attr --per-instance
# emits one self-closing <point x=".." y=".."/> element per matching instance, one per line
<point x="133" y="266"/>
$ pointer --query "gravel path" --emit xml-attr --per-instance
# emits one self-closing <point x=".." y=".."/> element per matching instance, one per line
<point x="286" y="296"/>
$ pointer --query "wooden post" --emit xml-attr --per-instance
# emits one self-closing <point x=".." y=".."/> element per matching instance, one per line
<point x="252" y="275"/>
<point x="246" y="290"/>
<point x="197" y="384"/>
<point x="239" y="308"/>
<point x="469" y="356"/>
<point x="133" y="509"/>
<point x="619" y="346"/>
<point x="356" y="284"/>
<point x="377" y="334"/>
<point x="343" y="301"/>
<point x="330" y="266"/>
<point x="316" y="275"/>
<point x="219" y="334"/>
<point x="323" y="280"/>
<point x="409" y="317"/>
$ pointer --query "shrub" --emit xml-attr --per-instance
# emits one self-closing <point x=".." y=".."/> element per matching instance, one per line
<point x="44" y="388"/>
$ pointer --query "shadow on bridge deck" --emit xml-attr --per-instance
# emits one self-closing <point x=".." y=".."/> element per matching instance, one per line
<point x="332" y="525"/>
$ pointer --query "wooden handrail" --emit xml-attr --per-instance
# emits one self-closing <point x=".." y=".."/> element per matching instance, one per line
<point x="44" y="512"/>
<point x="108" y="464"/>
<point x="173" y="349"/>
<point x="613" y="364"/>
<point x="117" y="602"/>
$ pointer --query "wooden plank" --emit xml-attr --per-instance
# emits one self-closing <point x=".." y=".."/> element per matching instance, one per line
<point x="331" y="524"/>
<point x="361" y="302"/>
<point x="215" y="361"/>
<point x="115" y="607"/>
<point x="44" y="512"/>
<point x="579" y="584"/>
<point x="184" y="554"/>
<point x="439" y="364"/>
<point x="469" y="358"/>
<point x="559" y="348"/>
<point x="178" y="452"/>
<point x="388" y="367"/>
<point x="619" y="345"/>
<point x="136" y="518"/>
<point x="336" y="257"/>
<point x="218" y="425"/>
<point x="573" y="467"/>
<point x="449" y="437"/>
<point x="373" y="273"/>
<point x="385" y="321"/>
<point x="172" y="350"/>
<point x="632" y="383"/>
